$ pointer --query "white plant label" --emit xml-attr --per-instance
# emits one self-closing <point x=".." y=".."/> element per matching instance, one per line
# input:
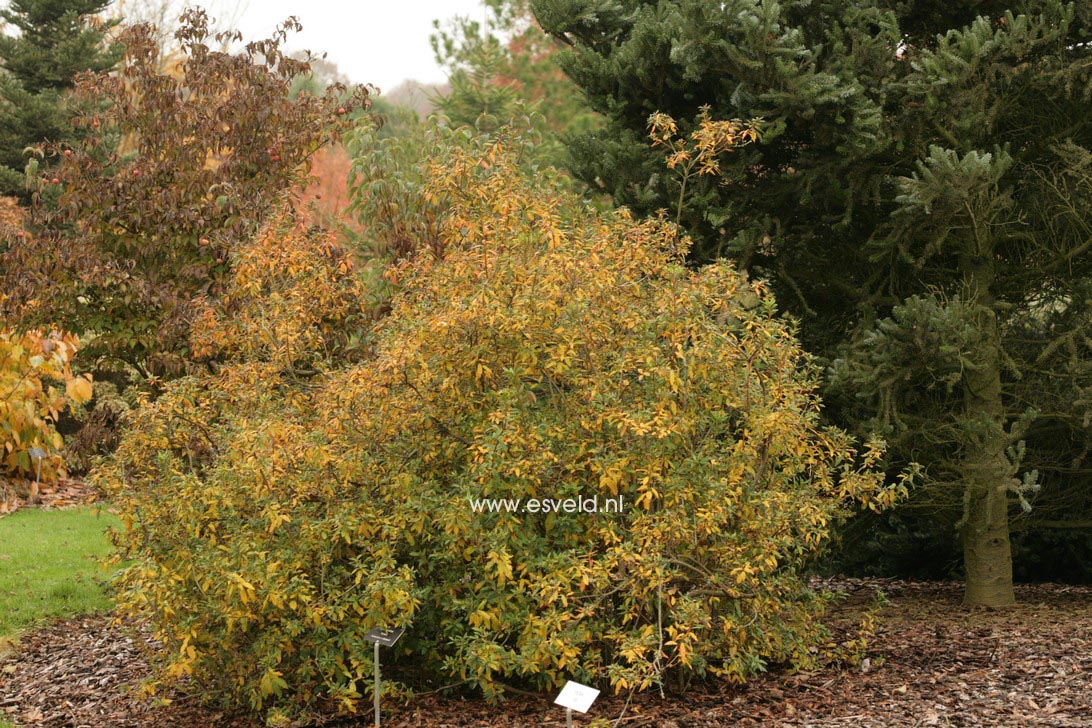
<point x="577" y="697"/>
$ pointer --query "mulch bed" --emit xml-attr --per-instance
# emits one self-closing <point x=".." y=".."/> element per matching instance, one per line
<point x="932" y="663"/>
<point x="65" y="493"/>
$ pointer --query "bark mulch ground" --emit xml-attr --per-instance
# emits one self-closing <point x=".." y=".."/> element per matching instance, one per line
<point x="932" y="662"/>
<point x="65" y="493"/>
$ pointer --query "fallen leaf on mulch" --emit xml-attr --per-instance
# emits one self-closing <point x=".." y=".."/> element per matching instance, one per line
<point x="932" y="662"/>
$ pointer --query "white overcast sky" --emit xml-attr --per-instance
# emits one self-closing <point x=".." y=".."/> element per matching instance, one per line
<point x="382" y="42"/>
<point x="372" y="41"/>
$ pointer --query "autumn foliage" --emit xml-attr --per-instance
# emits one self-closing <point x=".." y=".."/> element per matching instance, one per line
<point x="224" y="490"/>
<point x="325" y="195"/>
<point x="292" y="300"/>
<point x="36" y="385"/>
<point x="278" y="509"/>
<point x="175" y="168"/>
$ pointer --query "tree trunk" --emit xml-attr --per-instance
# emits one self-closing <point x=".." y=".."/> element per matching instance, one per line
<point x="987" y="553"/>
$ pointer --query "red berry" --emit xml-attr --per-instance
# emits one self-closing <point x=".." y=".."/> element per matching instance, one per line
<point x="68" y="152"/>
<point x="341" y="110"/>
<point x="136" y="172"/>
<point x="56" y="181"/>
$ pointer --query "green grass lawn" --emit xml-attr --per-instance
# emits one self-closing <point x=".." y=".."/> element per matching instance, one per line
<point x="49" y="566"/>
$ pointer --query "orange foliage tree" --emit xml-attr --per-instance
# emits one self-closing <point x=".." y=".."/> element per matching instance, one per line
<point x="324" y="197"/>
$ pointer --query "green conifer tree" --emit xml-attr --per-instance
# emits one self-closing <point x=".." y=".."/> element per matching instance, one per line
<point x="46" y="44"/>
<point x="503" y="67"/>
<point x="920" y="199"/>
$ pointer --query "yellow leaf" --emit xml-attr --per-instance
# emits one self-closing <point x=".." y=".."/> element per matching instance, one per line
<point x="79" y="389"/>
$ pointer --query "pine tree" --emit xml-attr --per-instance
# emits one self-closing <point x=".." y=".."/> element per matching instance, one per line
<point x="502" y="68"/>
<point x="920" y="199"/>
<point x="479" y="95"/>
<point x="53" y="41"/>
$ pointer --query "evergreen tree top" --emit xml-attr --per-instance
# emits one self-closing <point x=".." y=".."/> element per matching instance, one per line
<point x="54" y="41"/>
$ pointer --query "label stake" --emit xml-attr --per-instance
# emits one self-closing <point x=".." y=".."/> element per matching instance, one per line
<point x="386" y="637"/>
<point x="376" y="685"/>
<point x="575" y="696"/>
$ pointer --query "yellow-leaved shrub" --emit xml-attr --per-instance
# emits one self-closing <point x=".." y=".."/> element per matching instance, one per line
<point x="552" y="352"/>
<point x="36" y="385"/>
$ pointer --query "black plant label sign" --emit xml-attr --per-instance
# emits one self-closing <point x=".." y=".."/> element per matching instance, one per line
<point x="384" y="636"/>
